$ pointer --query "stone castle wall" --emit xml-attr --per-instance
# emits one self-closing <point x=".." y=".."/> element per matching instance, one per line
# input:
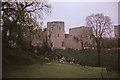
<point x="72" y="42"/>
<point x="81" y="31"/>
<point x="78" y="38"/>
<point x="117" y="31"/>
<point x="55" y="34"/>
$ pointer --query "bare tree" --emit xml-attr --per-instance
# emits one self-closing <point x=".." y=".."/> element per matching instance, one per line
<point x="101" y="26"/>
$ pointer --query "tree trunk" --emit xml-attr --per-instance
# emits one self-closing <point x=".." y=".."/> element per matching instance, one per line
<point x="82" y="44"/>
<point x="5" y="42"/>
<point x="99" y="53"/>
<point x="99" y="57"/>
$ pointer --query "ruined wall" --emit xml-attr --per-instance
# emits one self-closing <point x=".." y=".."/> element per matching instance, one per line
<point x="107" y="43"/>
<point x="72" y="42"/>
<point x="81" y="31"/>
<point x="79" y="38"/>
<point x="38" y="39"/>
<point x="117" y="31"/>
<point x="55" y="34"/>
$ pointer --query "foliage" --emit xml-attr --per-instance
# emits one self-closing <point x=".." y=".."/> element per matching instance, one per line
<point x="19" y="19"/>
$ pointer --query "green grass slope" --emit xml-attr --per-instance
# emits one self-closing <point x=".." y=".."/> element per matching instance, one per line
<point x="109" y="59"/>
<point x="56" y="70"/>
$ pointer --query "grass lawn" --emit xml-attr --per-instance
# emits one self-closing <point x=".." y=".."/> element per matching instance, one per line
<point x="19" y="65"/>
<point x="55" y="70"/>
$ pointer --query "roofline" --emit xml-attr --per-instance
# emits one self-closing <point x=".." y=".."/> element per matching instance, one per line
<point x="80" y="27"/>
<point x="55" y="22"/>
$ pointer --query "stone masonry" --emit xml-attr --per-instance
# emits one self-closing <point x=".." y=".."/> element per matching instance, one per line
<point x="55" y="34"/>
<point x="79" y="37"/>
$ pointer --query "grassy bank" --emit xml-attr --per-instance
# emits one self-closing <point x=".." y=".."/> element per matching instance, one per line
<point x="20" y="64"/>
<point x="109" y="58"/>
<point x="56" y="70"/>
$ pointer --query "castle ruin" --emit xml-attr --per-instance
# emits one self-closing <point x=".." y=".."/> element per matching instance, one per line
<point x="117" y="31"/>
<point x="55" y="34"/>
<point x="78" y="38"/>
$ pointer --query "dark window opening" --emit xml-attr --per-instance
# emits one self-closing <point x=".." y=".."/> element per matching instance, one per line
<point x="51" y="44"/>
<point x="49" y="36"/>
<point x="76" y="38"/>
<point x="59" y="28"/>
<point x="58" y="35"/>
<point x="52" y="28"/>
<point x="86" y="44"/>
<point x="62" y="44"/>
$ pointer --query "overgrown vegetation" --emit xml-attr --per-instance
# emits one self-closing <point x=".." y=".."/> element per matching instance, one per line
<point x="21" y="32"/>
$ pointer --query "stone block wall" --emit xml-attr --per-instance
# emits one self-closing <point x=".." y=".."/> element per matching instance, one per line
<point x="55" y="34"/>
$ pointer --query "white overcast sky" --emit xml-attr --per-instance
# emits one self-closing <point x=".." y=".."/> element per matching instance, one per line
<point x="74" y="12"/>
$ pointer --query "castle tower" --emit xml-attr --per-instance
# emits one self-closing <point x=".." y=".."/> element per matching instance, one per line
<point x="55" y="34"/>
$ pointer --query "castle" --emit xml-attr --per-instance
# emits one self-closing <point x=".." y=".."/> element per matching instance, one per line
<point x="78" y="38"/>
